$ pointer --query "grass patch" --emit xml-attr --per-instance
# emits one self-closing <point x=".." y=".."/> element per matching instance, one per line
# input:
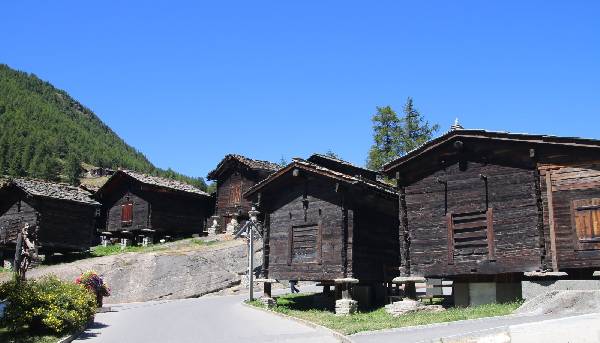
<point x="24" y="336"/>
<point x="301" y="306"/>
<point x="204" y="243"/>
<point x="99" y="251"/>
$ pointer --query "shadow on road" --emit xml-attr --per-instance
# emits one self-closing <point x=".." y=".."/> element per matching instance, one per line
<point x="92" y="331"/>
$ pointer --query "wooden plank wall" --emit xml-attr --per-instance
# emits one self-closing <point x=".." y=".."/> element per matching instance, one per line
<point x="324" y="207"/>
<point x="224" y="205"/>
<point x="63" y="225"/>
<point x="177" y="215"/>
<point x="511" y="195"/>
<point x="569" y="183"/>
<point x="66" y="226"/>
<point x="13" y="220"/>
<point x="376" y="248"/>
<point x="141" y="210"/>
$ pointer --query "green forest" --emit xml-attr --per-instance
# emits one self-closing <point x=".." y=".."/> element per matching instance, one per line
<point x="46" y="134"/>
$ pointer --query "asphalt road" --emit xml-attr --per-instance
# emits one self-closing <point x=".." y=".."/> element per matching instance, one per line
<point x="209" y="319"/>
<point x="429" y="333"/>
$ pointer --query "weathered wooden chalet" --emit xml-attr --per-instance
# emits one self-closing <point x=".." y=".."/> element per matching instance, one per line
<point x="235" y="175"/>
<point x="490" y="206"/>
<point x="332" y="224"/>
<point x="65" y="216"/>
<point x="137" y="206"/>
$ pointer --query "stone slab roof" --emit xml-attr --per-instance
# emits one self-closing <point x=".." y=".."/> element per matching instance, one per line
<point x="163" y="182"/>
<point x="318" y="169"/>
<point x="248" y="162"/>
<point x="53" y="190"/>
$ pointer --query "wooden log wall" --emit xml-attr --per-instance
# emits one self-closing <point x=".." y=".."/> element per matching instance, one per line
<point x="511" y="195"/>
<point x="569" y="184"/>
<point x="313" y="214"/>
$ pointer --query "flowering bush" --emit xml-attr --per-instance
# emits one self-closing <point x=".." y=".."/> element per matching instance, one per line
<point x="46" y="305"/>
<point x="94" y="283"/>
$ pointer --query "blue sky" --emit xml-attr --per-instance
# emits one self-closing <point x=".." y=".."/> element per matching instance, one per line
<point x="188" y="82"/>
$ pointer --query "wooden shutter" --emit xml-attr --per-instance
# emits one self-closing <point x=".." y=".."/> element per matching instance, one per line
<point x="127" y="214"/>
<point x="586" y="216"/>
<point x="235" y="193"/>
<point x="471" y="234"/>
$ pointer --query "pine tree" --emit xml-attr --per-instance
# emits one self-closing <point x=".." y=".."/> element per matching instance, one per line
<point x="15" y="167"/>
<point x="72" y="169"/>
<point x="48" y="169"/>
<point x="394" y="137"/>
<point x="332" y="154"/>
<point x="414" y="129"/>
<point x="385" y="135"/>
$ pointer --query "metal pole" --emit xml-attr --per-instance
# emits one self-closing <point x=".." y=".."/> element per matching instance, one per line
<point x="251" y="263"/>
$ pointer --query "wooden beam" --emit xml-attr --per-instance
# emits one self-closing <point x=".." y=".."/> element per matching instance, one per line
<point x="551" y="220"/>
<point x="490" y="235"/>
<point x="450" y="224"/>
<point x="290" y="244"/>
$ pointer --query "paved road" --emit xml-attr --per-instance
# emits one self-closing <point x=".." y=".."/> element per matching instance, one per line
<point x="429" y="333"/>
<point x="209" y="319"/>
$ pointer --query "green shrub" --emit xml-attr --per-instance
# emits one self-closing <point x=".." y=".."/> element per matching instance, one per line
<point x="47" y="305"/>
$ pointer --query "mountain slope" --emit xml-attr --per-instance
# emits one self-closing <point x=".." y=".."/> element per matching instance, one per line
<point x="45" y="133"/>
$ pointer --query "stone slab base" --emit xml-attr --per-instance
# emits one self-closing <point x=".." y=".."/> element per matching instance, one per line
<point x="405" y="306"/>
<point x="268" y="302"/>
<point x="533" y="288"/>
<point x="344" y="307"/>
<point x="479" y="293"/>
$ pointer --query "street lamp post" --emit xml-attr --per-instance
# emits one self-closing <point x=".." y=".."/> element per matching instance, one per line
<point x="251" y="228"/>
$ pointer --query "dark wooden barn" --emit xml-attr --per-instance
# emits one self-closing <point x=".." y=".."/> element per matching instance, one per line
<point x="64" y="215"/>
<point x="490" y="206"/>
<point x="324" y="225"/>
<point x="136" y="205"/>
<point x="234" y="176"/>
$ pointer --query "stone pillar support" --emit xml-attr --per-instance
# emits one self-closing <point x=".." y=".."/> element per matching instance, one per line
<point x="345" y="305"/>
<point x="410" y="289"/>
<point x="267" y="298"/>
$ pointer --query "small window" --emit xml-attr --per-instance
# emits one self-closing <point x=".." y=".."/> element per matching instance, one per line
<point x="586" y="215"/>
<point x="126" y="214"/>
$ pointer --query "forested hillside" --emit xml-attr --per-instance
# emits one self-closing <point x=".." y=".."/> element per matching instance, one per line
<point x="44" y="133"/>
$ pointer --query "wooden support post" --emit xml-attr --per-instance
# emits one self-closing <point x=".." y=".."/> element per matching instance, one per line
<point x="267" y="290"/>
<point x="551" y="219"/>
<point x="410" y="290"/>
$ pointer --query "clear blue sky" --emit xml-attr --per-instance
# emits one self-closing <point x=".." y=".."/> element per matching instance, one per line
<point x="188" y="82"/>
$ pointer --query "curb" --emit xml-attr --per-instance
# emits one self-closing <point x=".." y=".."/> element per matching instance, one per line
<point x="433" y="325"/>
<point x="73" y="336"/>
<point x="341" y="337"/>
